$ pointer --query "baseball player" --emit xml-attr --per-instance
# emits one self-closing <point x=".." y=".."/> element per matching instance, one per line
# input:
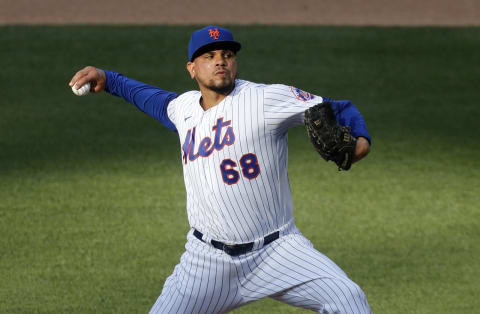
<point x="243" y="244"/>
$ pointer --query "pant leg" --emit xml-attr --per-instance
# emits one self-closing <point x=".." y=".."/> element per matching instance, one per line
<point x="291" y="270"/>
<point x="326" y="296"/>
<point x="204" y="281"/>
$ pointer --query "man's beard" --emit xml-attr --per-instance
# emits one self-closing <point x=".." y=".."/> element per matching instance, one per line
<point x="223" y="89"/>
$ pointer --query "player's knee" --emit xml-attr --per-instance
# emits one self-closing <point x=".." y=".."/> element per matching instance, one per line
<point x="356" y="298"/>
<point x="349" y="298"/>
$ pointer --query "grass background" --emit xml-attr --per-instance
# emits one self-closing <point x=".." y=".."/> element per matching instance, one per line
<point x="92" y="203"/>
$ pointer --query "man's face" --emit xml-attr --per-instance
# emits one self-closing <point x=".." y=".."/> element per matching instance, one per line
<point x="215" y="70"/>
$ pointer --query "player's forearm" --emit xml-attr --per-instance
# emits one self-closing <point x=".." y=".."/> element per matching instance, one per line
<point x="149" y="99"/>
<point x="135" y="92"/>
<point x="362" y="149"/>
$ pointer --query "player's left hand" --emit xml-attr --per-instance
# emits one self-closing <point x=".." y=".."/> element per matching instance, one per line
<point x="331" y="140"/>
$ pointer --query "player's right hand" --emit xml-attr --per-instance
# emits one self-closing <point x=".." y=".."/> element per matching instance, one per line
<point x="95" y="76"/>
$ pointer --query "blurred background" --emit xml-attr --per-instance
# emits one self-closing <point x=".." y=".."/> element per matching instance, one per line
<point x="92" y="201"/>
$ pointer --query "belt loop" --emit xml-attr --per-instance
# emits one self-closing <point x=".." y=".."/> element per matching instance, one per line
<point x="206" y="238"/>
<point x="258" y="244"/>
<point x="287" y="228"/>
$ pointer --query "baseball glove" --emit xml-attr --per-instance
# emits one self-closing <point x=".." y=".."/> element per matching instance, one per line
<point x="331" y="141"/>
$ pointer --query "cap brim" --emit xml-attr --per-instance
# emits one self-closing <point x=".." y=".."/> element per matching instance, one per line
<point x="230" y="45"/>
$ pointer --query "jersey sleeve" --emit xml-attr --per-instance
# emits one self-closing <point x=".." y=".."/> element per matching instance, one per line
<point x="284" y="106"/>
<point x="149" y="99"/>
<point x="347" y="114"/>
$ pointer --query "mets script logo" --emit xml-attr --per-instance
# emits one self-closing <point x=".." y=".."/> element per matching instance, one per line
<point x="300" y="94"/>
<point x="207" y="145"/>
<point x="214" y="33"/>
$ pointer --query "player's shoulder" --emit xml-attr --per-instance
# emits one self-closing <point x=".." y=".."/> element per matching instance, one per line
<point x="187" y="97"/>
<point x="184" y="102"/>
<point x="279" y="88"/>
<point x="282" y="91"/>
<point x="276" y="91"/>
<point x="243" y="85"/>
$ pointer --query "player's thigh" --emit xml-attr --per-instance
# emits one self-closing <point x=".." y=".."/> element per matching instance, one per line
<point x="324" y="286"/>
<point x="202" y="282"/>
<point x="327" y="295"/>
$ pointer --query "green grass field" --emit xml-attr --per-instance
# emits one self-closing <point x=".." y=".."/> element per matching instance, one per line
<point x="92" y="202"/>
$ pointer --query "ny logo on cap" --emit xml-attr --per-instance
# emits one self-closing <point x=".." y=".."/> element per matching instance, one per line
<point x="214" y="33"/>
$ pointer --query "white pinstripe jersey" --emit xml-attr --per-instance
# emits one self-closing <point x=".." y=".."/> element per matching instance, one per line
<point x="235" y="158"/>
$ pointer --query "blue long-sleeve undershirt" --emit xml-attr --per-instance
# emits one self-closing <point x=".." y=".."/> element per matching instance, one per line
<point x="149" y="99"/>
<point x="347" y="114"/>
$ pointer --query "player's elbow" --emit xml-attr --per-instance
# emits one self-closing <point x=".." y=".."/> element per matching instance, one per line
<point x="362" y="149"/>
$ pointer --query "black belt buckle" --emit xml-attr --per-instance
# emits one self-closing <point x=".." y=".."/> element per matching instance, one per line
<point x="237" y="249"/>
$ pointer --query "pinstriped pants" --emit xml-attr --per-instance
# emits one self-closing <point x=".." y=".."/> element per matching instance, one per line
<point x="289" y="270"/>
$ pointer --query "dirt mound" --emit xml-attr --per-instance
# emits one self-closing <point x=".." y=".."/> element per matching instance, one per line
<point x="270" y="12"/>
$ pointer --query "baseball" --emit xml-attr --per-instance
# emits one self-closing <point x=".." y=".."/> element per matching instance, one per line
<point x="82" y="91"/>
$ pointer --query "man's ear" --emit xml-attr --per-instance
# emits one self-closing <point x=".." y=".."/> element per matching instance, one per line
<point x="191" y="69"/>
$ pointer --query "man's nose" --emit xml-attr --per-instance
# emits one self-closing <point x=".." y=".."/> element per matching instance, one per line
<point x="220" y="60"/>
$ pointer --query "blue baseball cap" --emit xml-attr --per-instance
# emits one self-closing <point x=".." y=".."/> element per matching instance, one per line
<point x="209" y="37"/>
